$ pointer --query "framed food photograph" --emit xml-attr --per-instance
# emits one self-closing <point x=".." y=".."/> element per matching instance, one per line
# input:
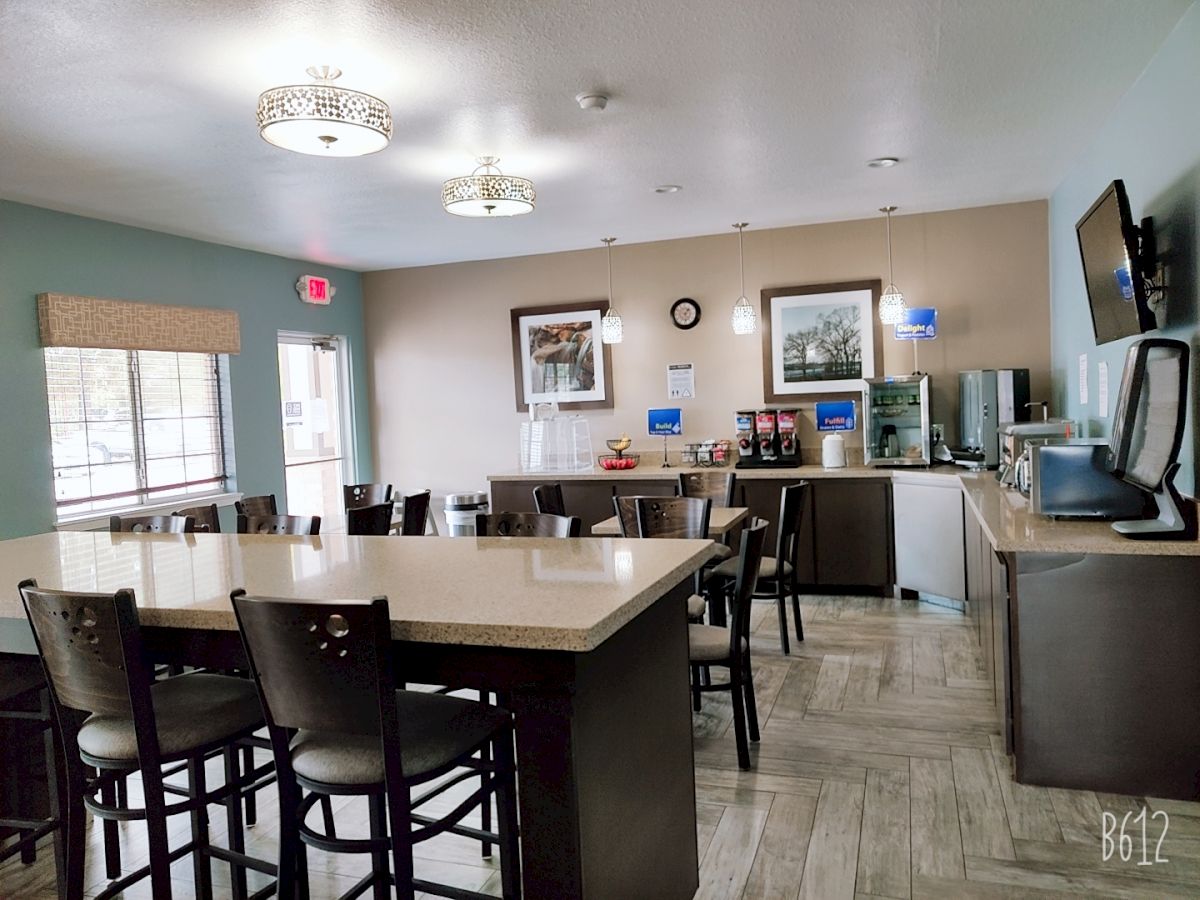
<point x="558" y="356"/>
<point x="820" y="339"/>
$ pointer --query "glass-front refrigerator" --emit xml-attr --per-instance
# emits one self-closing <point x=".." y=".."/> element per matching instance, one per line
<point x="896" y="417"/>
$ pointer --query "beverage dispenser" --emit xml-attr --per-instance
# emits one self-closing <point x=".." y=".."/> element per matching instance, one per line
<point x="765" y="425"/>
<point x="745" y="433"/>
<point x="788" y="441"/>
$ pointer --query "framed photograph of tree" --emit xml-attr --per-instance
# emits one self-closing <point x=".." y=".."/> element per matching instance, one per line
<point x="820" y="339"/>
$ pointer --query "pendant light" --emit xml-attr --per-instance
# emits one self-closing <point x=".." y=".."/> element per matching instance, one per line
<point x="323" y="120"/>
<point x="611" y="329"/>
<point x="891" y="304"/>
<point x="488" y="193"/>
<point x="744" y="318"/>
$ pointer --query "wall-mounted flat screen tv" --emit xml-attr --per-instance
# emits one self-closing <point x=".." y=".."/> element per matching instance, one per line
<point x="1114" y="268"/>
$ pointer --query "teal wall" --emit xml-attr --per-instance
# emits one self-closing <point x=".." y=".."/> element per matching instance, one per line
<point x="1152" y="142"/>
<point x="44" y="251"/>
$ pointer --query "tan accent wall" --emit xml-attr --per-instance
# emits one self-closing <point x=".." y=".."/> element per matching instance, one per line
<point x="66" y="320"/>
<point x="440" y="352"/>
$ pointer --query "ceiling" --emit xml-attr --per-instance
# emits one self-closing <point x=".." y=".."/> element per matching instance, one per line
<point x="142" y="112"/>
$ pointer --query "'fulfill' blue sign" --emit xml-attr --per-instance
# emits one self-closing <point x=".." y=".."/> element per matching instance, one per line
<point x="918" y="325"/>
<point x="665" y="422"/>
<point x="835" y="415"/>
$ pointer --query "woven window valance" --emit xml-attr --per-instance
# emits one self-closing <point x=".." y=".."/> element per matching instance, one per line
<point x="66" y="320"/>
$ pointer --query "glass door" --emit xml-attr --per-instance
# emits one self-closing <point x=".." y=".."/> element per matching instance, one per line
<point x="316" y="429"/>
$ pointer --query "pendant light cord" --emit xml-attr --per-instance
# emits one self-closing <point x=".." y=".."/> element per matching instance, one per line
<point x="741" y="261"/>
<point x="608" y="242"/>
<point x="891" y="274"/>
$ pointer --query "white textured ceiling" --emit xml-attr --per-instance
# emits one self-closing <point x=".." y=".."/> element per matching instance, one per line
<point x="142" y="111"/>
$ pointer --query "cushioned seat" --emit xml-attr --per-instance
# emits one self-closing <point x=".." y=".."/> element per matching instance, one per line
<point x="435" y="730"/>
<point x="708" y="643"/>
<point x="722" y="552"/>
<point x="190" y="711"/>
<point x="766" y="569"/>
<point x="695" y="607"/>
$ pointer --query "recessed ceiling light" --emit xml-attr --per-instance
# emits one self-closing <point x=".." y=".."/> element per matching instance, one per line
<point x="884" y="162"/>
<point x="668" y="189"/>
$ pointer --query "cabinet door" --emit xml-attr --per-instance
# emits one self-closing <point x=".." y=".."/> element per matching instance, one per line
<point x="1001" y="651"/>
<point x="928" y="536"/>
<point x="590" y="500"/>
<point x="512" y="496"/>
<point x="853" y="522"/>
<point x="761" y="496"/>
<point x="645" y="487"/>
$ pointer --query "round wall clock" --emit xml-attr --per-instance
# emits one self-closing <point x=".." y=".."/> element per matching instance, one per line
<point x="685" y="313"/>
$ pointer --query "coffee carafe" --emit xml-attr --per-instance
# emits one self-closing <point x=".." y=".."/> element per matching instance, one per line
<point x="889" y="442"/>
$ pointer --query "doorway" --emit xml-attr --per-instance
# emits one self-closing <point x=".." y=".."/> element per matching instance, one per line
<point x="317" y="425"/>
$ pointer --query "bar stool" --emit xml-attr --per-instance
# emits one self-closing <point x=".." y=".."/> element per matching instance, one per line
<point x="415" y="514"/>
<point x="278" y="524"/>
<point x="113" y="717"/>
<point x="667" y="517"/>
<point x="720" y="488"/>
<point x="206" y="517"/>
<point x="23" y="699"/>
<point x="548" y="498"/>
<point x="365" y="495"/>
<point x="338" y="726"/>
<point x="375" y="519"/>
<point x="152" y="524"/>
<point x="509" y="524"/>
<point x="262" y="505"/>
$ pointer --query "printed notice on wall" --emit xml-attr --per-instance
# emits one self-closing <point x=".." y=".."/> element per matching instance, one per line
<point x="681" y="381"/>
<point x="1102" y="388"/>
<point x="1083" y="385"/>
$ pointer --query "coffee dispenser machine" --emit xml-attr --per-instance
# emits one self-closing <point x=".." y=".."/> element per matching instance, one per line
<point x="768" y="436"/>
<point x="786" y="424"/>
<point x="745" y="433"/>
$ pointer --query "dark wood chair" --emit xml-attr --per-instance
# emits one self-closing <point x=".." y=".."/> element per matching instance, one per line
<point x="625" y="507"/>
<point x="508" y="524"/>
<point x="263" y="505"/>
<point x="720" y="488"/>
<point x="676" y="517"/>
<point x="113" y="719"/>
<point x="26" y="730"/>
<point x="206" y="517"/>
<point x="365" y="494"/>
<point x="338" y="726"/>
<point x="152" y="524"/>
<point x="548" y="499"/>
<point x="415" y="514"/>
<point x="278" y="524"/>
<point x="779" y="572"/>
<point x="709" y="645"/>
<point x="375" y="519"/>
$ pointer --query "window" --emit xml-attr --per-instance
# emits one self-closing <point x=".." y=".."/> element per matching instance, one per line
<point x="130" y="427"/>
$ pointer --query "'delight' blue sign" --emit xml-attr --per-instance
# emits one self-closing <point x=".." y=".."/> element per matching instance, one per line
<point x="918" y="325"/>
<point x="835" y="415"/>
<point x="664" y="422"/>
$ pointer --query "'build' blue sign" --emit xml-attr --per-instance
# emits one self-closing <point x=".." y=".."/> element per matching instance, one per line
<point x="664" y="422"/>
<point x="835" y="415"/>
<point x="918" y="325"/>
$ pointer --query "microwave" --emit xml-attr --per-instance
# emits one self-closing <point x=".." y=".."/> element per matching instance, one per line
<point x="1069" y="477"/>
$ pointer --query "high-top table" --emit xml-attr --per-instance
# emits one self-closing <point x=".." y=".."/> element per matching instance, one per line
<point x="585" y="638"/>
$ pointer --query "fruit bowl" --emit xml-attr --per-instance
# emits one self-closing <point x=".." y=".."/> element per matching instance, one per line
<point x="619" y="445"/>
<point x="616" y="461"/>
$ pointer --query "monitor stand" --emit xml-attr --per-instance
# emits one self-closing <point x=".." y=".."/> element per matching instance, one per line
<point x="1176" y="517"/>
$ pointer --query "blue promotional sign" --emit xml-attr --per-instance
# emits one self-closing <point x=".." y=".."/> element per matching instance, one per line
<point x="835" y="415"/>
<point x="918" y="325"/>
<point x="664" y="422"/>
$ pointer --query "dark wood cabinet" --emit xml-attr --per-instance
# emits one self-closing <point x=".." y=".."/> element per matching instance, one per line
<point x="657" y="487"/>
<point x="853" y="532"/>
<point x="988" y="595"/>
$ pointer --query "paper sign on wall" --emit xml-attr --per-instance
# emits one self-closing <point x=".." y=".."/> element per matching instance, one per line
<point x="681" y="381"/>
<point x="664" y="422"/>
<point x="1083" y="379"/>
<point x="1102" y="388"/>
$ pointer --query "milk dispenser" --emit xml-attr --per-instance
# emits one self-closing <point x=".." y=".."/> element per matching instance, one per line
<point x="745" y="433"/>
<point x="788" y="442"/>
<point x="765" y="425"/>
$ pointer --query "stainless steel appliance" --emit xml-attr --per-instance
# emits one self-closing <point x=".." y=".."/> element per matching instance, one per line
<point x="1068" y="477"/>
<point x="987" y="397"/>
<point x="896" y="417"/>
<point x="1013" y="436"/>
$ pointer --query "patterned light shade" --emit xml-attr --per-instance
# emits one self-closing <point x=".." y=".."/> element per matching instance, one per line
<point x="744" y="319"/>
<point x="612" y="331"/>
<point x="322" y="120"/>
<point x="892" y="306"/>
<point x="487" y="192"/>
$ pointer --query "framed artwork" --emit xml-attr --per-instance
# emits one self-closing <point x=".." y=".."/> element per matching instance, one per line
<point x="558" y="356"/>
<point x="820" y="339"/>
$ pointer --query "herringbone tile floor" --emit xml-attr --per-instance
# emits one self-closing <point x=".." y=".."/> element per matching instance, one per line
<point x="879" y="774"/>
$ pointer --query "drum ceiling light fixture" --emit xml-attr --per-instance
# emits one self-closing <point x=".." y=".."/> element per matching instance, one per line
<point x="612" y="330"/>
<point x="321" y="119"/>
<point x="487" y="192"/>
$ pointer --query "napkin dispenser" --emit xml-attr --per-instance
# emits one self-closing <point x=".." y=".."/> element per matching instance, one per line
<point x="1069" y="477"/>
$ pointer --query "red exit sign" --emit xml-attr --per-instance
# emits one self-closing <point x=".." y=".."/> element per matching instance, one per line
<point x="315" y="289"/>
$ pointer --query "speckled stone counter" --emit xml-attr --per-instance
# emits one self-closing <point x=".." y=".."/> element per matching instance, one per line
<point x="541" y="594"/>
<point x="1009" y="525"/>
<point x="648" y="471"/>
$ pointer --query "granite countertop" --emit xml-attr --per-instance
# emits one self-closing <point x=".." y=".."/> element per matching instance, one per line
<point x="1011" y="528"/>
<point x="529" y="593"/>
<point x="646" y="472"/>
